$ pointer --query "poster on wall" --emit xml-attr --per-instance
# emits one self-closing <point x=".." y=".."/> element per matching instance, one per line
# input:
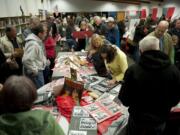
<point x="154" y="13"/>
<point x="133" y="14"/>
<point x="170" y="12"/>
<point x="143" y="13"/>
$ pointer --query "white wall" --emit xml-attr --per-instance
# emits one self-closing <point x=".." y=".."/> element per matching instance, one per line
<point x="93" y="6"/>
<point x="173" y="3"/>
<point x="90" y="6"/>
<point x="11" y="7"/>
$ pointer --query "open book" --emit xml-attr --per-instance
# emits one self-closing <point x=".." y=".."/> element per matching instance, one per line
<point x="103" y="109"/>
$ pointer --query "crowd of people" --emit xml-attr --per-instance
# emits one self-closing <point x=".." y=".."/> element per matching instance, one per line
<point x="149" y="88"/>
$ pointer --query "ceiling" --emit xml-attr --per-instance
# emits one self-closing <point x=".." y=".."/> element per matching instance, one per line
<point x="138" y="2"/>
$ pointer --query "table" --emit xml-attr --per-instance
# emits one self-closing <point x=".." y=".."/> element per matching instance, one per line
<point x="76" y="60"/>
<point x="58" y="76"/>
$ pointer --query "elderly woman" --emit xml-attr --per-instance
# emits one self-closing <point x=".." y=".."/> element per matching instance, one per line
<point x="17" y="118"/>
<point x="115" y="61"/>
<point x="96" y="43"/>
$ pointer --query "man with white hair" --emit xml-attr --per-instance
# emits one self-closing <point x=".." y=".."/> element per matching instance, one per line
<point x="165" y="44"/>
<point x="100" y="26"/>
<point x="149" y="43"/>
<point x="150" y="89"/>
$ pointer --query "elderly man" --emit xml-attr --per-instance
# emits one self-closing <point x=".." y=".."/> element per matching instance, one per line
<point x="100" y="26"/>
<point x="12" y="46"/>
<point x="150" y="89"/>
<point x="165" y="44"/>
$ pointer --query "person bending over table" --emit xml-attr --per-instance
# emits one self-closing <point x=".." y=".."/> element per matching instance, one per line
<point x="93" y="55"/>
<point x="115" y="61"/>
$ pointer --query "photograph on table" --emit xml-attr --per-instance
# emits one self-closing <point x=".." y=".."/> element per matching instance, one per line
<point x="80" y="112"/>
<point x="115" y="90"/>
<point x="45" y="98"/>
<point x="100" y="116"/>
<point x="73" y="74"/>
<point x="72" y="88"/>
<point x="89" y="79"/>
<point x="114" y="108"/>
<point x="106" y="102"/>
<point x="75" y="60"/>
<point x="88" y="124"/>
<point x="92" y="107"/>
<point x="105" y="96"/>
<point x="99" y="88"/>
<point x="103" y="86"/>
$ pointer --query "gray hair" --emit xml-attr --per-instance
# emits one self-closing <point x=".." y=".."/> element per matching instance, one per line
<point x="149" y="43"/>
<point x="164" y="24"/>
<point x="34" y="21"/>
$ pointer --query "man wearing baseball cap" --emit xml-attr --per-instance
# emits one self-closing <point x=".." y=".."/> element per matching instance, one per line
<point x="113" y="32"/>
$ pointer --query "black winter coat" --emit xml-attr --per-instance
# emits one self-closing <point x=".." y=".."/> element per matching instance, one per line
<point x="151" y="88"/>
<point x="4" y="73"/>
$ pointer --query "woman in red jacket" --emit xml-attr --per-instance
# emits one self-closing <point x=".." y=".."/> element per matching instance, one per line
<point x="50" y="44"/>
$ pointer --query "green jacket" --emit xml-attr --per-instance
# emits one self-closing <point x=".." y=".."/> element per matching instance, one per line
<point x="34" y="122"/>
<point x="168" y="47"/>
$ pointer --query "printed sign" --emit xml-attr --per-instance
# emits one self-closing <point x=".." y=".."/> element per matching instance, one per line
<point x="80" y="112"/>
<point x="74" y="132"/>
<point x="88" y="124"/>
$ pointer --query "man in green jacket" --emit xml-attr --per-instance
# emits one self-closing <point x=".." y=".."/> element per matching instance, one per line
<point x="165" y="39"/>
<point x="16" y="116"/>
<point x="33" y="122"/>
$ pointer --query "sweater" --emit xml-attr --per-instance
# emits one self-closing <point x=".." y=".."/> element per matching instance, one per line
<point x="118" y="66"/>
<point x="33" y="122"/>
<point x="34" y="58"/>
<point x="168" y="47"/>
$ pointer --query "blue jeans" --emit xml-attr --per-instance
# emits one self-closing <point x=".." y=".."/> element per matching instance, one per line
<point x="38" y="79"/>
